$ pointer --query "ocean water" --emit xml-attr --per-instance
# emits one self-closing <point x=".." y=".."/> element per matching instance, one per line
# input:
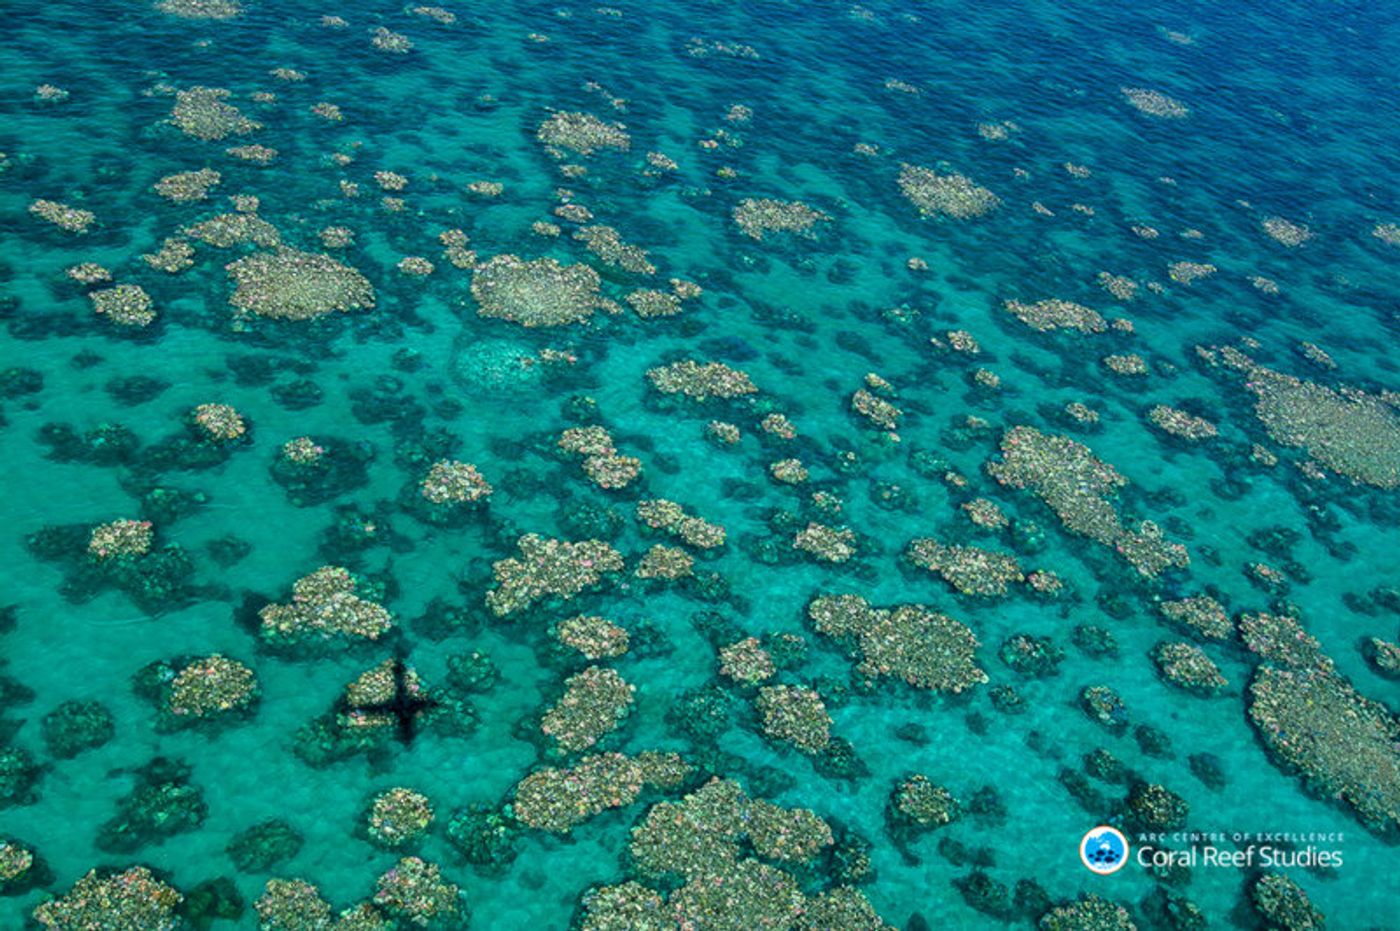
<point x="1290" y="112"/>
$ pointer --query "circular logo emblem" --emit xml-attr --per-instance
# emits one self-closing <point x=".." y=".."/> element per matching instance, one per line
<point x="1104" y="850"/>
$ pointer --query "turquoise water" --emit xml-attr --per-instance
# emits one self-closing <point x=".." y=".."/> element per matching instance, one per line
<point x="1291" y="114"/>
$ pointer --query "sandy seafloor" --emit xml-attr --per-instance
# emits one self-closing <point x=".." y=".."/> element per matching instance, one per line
<point x="1292" y="113"/>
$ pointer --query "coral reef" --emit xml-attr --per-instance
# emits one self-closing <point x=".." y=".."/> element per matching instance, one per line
<point x="926" y="649"/>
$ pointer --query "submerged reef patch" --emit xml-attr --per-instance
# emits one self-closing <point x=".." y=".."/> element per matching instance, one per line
<point x="926" y="649"/>
<point x="291" y="285"/>
<point x="950" y="195"/>
<point x="1346" y="745"/>
<point x="1347" y="430"/>
<point x="1077" y="486"/>
<point x="536" y="293"/>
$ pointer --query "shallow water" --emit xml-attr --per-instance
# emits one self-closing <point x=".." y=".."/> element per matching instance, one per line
<point x="1292" y="114"/>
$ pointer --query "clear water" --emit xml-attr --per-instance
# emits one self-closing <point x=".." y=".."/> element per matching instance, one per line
<point x="1292" y="114"/>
